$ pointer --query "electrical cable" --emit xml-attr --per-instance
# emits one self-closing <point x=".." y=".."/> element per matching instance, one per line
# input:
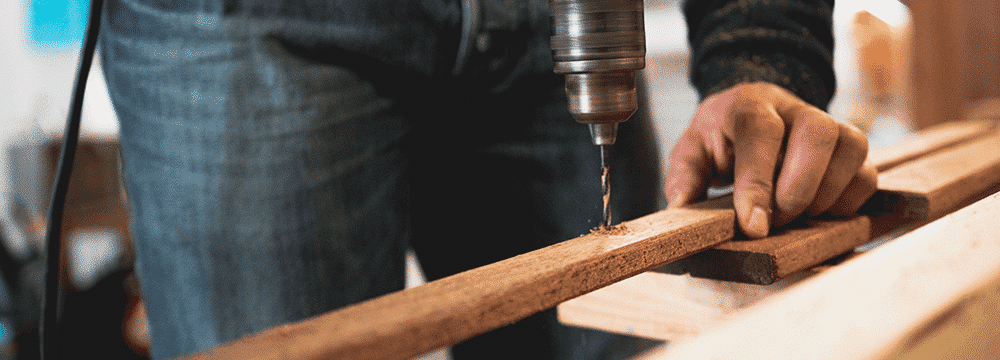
<point x="48" y="324"/>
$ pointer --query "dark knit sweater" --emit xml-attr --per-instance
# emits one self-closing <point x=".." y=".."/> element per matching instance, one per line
<point x="785" y="42"/>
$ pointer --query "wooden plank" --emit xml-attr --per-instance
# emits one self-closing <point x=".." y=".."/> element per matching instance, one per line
<point x="407" y="323"/>
<point x="873" y="305"/>
<point x="764" y="261"/>
<point x="756" y="262"/>
<point x="968" y="329"/>
<point x="930" y="187"/>
<point x="662" y="306"/>
<point x="927" y="141"/>
<point x="913" y="193"/>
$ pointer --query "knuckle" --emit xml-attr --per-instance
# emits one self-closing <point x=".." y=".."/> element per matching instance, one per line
<point x="869" y="180"/>
<point x="756" y="187"/>
<point x="854" y="142"/>
<point x="756" y="121"/>
<point x="793" y="203"/>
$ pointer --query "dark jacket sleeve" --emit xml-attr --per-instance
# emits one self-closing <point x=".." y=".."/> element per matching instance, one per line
<point x="785" y="42"/>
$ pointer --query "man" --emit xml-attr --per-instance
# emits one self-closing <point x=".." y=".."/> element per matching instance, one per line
<point x="280" y="156"/>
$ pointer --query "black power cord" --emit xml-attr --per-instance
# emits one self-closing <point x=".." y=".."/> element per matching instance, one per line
<point x="48" y="324"/>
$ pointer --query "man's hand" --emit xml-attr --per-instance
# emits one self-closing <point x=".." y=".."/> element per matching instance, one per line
<point x="783" y="156"/>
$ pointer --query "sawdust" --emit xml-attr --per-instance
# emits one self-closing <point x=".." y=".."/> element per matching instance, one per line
<point x="620" y="229"/>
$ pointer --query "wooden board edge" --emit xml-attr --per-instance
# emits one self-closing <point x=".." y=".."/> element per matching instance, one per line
<point x="968" y="329"/>
<point x="928" y="141"/>
<point x="869" y="304"/>
<point x="413" y="321"/>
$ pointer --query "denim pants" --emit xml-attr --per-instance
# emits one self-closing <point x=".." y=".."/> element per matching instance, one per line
<point x="273" y="179"/>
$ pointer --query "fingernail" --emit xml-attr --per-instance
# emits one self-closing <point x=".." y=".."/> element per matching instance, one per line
<point x="758" y="226"/>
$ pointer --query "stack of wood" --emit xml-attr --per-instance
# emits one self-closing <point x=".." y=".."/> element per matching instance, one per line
<point x="932" y="291"/>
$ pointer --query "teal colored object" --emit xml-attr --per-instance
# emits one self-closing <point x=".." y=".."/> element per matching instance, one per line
<point x="56" y="24"/>
<point x="5" y="335"/>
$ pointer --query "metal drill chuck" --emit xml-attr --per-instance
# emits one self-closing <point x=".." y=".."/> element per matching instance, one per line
<point x="599" y="45"/>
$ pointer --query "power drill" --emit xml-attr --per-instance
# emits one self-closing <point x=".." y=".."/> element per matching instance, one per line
<point x="599" y="45"/>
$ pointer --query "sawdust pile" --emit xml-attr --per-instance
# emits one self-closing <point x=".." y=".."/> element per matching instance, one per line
<point x="620" y="229"/>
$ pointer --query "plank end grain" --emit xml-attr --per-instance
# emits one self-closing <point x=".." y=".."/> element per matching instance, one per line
<point x="443" y="312"/>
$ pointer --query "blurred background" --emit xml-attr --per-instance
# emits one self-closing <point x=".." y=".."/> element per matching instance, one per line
<point x="102" y="311"/>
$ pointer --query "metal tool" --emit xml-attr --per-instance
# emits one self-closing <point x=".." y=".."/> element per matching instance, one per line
<point x="599" y="45"/>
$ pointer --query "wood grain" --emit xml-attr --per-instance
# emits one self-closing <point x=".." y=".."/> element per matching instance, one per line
<point x="967" y="329"/>
<point x="662" y="306"/>
<point x="931" y="186"/>
<point x="407" y="323"/>
<point x="644" y="305"/>
<point x="874" y="305"/>
<point x="764" y="261"/>
<point x="959" y="165"/>
<point x="927" y="141"/>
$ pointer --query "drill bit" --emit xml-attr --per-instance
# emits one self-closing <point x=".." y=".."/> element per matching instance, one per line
<point x="605" y="186"/>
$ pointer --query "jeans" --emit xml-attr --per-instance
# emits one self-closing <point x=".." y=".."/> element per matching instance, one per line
<point x="273" y="178"/>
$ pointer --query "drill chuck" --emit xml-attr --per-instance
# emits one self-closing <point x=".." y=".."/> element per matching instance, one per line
<point x="599" y="45"/>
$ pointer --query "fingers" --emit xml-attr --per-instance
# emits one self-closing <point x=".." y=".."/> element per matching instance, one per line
<point x="700" y="147"/>
<point x="783" y="156"/>
<point x="861" y="187"/>
<point x="689" y="169"/>
<point x="848" y="157"/>
<point x="757" y="134"/>
<point x="812" y="139"/>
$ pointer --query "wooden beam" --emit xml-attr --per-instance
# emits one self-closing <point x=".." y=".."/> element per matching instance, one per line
<point x="764" y="261"/>
<point x="410" y="322"/>
<point x="929" y="187"/>
<point x="947" y="177"/>
<point x="967" y="329"/>
<point x="927" y="141"/>
<point x="876" y="304"/>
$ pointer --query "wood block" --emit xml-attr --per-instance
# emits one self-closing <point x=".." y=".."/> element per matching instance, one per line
<point x="913" y="290"/>
<point x="410" y="322"/>
<point x="929" y="187"/>
<point x="764" y="261"/>
<point x="927" y="141"/>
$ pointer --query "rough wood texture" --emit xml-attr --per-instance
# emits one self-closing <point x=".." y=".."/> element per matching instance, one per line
<point x="764" y="261"/>
<point x="443" y="312"/>
<point x="662" y="306"/>
<point x="630" y="306"/>
<point x="968" y="329"/>
<point x="946" y="172"/>
<point x="927" y="141"/>
<point x="931" y="186"/>
<point x="876" y="304"/>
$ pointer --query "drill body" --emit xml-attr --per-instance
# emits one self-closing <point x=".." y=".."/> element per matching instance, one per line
<point x="599" y="45"/>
